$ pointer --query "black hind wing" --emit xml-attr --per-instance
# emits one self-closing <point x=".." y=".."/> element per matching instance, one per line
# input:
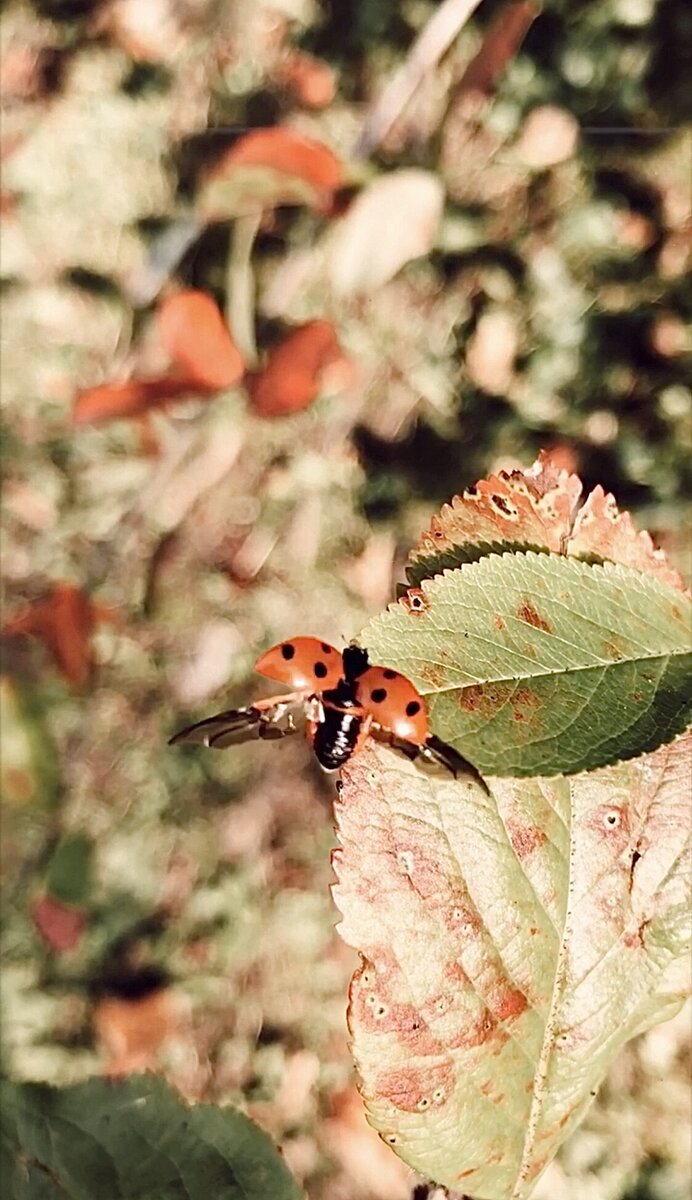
<point x="450" y="758"/>
<point x="238" y="725"/>
<point x="433" y="750"/>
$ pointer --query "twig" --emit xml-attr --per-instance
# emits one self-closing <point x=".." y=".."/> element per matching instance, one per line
<point x="240" y="286"/>
<point x="426" y="51"/>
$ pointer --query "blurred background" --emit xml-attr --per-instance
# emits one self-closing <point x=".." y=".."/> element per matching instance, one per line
<point x="166" y="520"/>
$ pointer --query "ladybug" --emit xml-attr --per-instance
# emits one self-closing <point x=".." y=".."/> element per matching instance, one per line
<point x="343" y="700"/>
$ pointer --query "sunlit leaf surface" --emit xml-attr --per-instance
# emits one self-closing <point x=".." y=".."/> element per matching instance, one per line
<point x="511" y="944"/>
<point x="540" y="664"/>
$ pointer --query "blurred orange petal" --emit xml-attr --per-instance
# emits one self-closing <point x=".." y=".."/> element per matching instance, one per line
<point x="295" y="370"/>
<point x="63" y="620"/>
<point x="130" y="397"/>
<point x="131" y="1032"/>
<point x="288" y="152"/>
<point x="311" y="80"/>
<point x="268" y="167"/>
<point x="60" y="925"/>
<point x="195" y="335"/>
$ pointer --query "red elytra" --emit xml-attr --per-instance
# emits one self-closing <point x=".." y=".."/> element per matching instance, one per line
<point x="342" y="701"/>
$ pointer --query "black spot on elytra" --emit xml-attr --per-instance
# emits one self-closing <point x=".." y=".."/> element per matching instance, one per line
<point x="288" y="651"/>
<point x="389" y="674"/>
<point x="378" y="695"/>
<point x="326" y="647"/>
<point x="320" y="669"/>
<point x="412" y="708"/>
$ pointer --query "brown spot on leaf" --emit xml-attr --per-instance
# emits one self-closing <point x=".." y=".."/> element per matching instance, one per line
<point x="613" y="649"/>
<point x="415" y="601"/>
<point x="498" y="622"/>
<point x="455" y="973"/>
<point x="459" y="917"/>
<point x="525" y="838"/>
<point x="484" y="698"/>
<point x="372" y="1010"/>
<point x="421" y="867"/>
<point x="432" y="673"/>
<point x="474" y="1033"/>
<point x="527" y="612"/>
<point x="414" y="1089"/>
<point x="633" y="939"/>
<point x="505" y="506"/>
<point x="611" y="822"/>
<point x="512" y="1004"/>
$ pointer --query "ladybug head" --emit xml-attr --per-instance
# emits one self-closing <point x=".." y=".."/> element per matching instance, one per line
<point x="355" y="662"/>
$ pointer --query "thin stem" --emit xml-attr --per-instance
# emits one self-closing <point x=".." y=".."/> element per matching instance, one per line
<point x="427" y="50"/>
<point x="240" y="289"/>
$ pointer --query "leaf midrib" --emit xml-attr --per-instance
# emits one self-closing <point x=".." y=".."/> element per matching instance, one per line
<point x="545" y="673"/>
<point x="548" y="1043"/>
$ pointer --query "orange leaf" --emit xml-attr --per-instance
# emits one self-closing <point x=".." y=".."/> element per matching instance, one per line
<point x="130" y="397"/>
<point x="195" y="335"/>
<point x="539" y="508"/>
<point x="268" y="167"/>
<point x="60" y="925"/>
<point x="312" y="81"/>
<point x="295" y="368"/>
<point x="131" y="1032"/>
<point x="288" y="152"/>
<point x="63" y="620"/>
<point x="500" y="44"/>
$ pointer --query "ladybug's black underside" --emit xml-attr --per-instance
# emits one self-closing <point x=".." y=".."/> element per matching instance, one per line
<point x="336" y="737"/>
<point x="337" y="733"/>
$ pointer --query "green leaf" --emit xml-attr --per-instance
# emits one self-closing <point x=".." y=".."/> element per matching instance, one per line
<point x="540" y="664"/>
<point x="29" y="771"/>
<point x="512" y="943"/>
<point x="68" y="877"/>
<point x="132" y="1140"/>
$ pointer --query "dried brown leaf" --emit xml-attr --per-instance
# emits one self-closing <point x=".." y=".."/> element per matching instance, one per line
<point x="196" y="337"/>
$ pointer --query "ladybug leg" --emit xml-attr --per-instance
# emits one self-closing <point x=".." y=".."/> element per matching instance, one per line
<point x="315" y="716"/>
<point x="281" y="702"/>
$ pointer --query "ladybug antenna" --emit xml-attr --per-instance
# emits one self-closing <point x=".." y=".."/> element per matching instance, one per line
<point x="355" y="661"/>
